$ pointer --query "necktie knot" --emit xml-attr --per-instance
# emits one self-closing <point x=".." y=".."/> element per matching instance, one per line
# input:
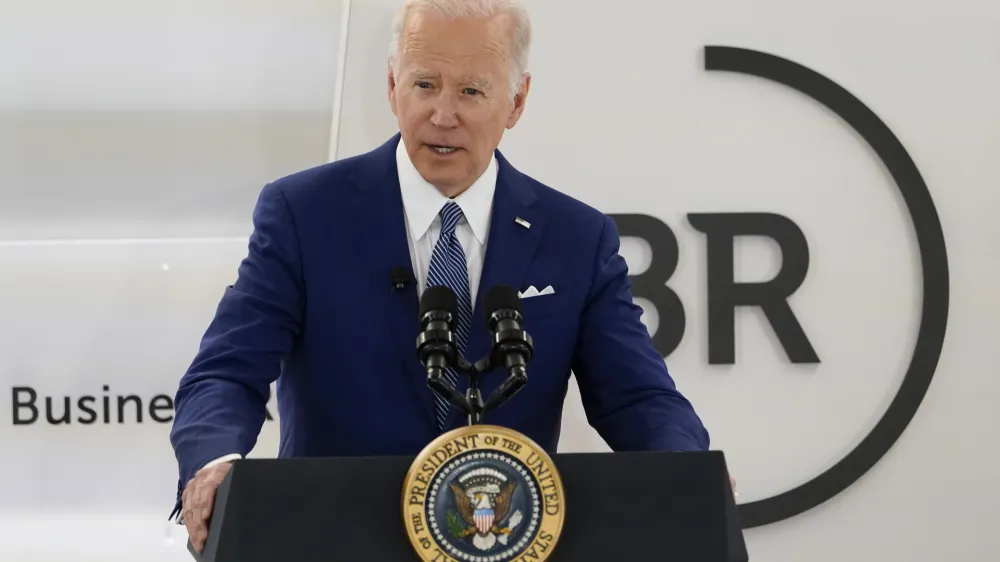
<point x="450" y="214"/>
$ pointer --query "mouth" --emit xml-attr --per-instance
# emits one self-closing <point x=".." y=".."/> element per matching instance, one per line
<point x="442" y="150"/>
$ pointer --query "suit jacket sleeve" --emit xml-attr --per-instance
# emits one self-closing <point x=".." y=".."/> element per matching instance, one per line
<point x="220" y="404"/>
<point x="629" y="396"/>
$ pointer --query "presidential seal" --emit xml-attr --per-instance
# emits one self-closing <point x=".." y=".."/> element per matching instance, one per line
<point x="483" y="493"/>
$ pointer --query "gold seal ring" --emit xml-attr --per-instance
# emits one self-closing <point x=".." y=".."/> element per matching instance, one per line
<point x="483" y="492"/>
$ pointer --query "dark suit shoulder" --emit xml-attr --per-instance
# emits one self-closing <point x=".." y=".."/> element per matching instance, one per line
<point x="316" y="181"/>
<point x="323" y="188"/>
<point x="566" y="208"/>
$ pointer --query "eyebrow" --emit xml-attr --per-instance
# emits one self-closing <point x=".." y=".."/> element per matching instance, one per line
<point x="421" y="74"/>
<point x="478" y="82"/>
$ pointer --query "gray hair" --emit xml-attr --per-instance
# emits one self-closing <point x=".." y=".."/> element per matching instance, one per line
<point x="454" y="9"/>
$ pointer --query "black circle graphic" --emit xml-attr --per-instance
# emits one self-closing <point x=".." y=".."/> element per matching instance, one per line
<point x="934" y="267"/>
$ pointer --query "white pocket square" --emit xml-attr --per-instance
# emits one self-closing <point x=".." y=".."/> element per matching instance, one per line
<point x="533" y="292"/>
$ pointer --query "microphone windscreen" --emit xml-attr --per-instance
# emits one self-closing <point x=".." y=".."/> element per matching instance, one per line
<point x="500" y="297"/>
<point x="438" y="297"/>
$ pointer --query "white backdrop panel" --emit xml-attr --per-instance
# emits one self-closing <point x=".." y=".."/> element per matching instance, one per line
<point x="79" y="317"/>
<point x="623" y="116"/>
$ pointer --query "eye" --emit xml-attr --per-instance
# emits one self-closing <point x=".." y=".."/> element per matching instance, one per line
<point x="423" y="85"/>
<point x="471" y="91"/>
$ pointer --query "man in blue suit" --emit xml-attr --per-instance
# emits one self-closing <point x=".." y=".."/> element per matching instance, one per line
<point x="315" y="308"/>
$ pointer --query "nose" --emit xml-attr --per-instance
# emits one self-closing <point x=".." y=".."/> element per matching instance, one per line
<point x="445" y="114"/>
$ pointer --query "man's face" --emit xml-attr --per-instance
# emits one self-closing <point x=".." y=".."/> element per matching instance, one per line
<point x="451" y="97"/>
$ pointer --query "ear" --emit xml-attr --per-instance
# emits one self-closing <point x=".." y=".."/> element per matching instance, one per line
<point x="392" y="90"/>
<point x="519" y="100"/>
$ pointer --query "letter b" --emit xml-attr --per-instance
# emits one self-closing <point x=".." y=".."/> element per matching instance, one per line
<point x="652" y="283"/>
<point x="29" y="404"/>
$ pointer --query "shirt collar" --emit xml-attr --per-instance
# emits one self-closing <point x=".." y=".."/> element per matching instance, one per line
<point x="422" y="201"/>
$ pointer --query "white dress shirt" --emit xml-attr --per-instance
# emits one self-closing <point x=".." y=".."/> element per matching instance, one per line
<point x="421" y="204"/>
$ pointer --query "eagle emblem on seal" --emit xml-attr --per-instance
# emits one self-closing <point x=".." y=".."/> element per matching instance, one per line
<point x="483" y="499"/>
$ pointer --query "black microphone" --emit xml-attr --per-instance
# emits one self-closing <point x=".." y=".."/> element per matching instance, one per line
<point x="401" y="277"/>
<point x="436" y="345"/>
<point x="512" y="346"/>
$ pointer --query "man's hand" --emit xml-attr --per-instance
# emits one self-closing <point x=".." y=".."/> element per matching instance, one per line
<point x="732" y="486"/>
<point x="198" y="500"/>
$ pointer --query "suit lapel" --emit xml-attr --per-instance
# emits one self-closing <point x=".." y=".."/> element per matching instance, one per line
<point x="382" y="246"/>
<point x="510" y="248"/>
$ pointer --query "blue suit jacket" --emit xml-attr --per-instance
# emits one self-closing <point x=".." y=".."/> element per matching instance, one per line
<point x="313" y="303"/>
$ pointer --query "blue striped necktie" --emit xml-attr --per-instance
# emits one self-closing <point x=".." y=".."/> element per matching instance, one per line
<point x="448" y="268"/>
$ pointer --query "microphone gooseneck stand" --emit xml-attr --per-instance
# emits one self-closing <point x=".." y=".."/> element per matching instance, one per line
<point x="511" y="348"/>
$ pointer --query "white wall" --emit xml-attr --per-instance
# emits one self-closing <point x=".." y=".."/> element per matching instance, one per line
<point x="161" y="121"/>
<point x="125" y="118"/>
<point x="134" y="140"/>
<point x="623" y="115"/>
